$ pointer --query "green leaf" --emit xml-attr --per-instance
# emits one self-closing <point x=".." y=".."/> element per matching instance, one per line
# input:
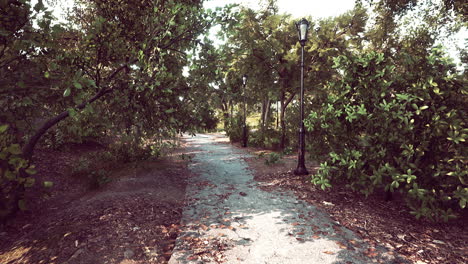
<point x="67" y="92"/>
<point x="14" y="149"/>
<point x="29" y="182"/>
<point x="47" y="74"/>
<point x="170" y="111"/>
<point x="48" y="184"/>
<point x="77" y="85"/>
<point x="3" y="128"/>
<point x="22" y="205"/>
<point x="9" y="175"/>
<point x="31" y="170"/>
<point x="462" y="203"/>
<point x="39" y="6"/>
<point x="72" y="112"/>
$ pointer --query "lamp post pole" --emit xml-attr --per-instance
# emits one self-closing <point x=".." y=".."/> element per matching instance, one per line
<point x="302" y="28"/>
<point x="244" y="125"/>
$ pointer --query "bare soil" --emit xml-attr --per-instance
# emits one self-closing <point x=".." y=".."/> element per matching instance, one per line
<point x="133" y="219"/>
<point x="377" y="221"/>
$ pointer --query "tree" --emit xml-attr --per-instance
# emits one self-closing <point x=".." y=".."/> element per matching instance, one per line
<point x="128" y="56"/>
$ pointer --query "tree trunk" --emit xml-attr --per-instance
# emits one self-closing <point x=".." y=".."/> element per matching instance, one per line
<point x="231" y="106"/>
<point x="277" y="114"/>
<point x="225" y="109"/>
<point x="284" y="105"/>
<point x="262" y="116"/>
<point x="282" y="123"/>
<point x="265" y="111"/>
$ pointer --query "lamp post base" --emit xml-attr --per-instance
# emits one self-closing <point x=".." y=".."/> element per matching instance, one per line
<point x="301" y="170"/>
<point x="244" y="136"/>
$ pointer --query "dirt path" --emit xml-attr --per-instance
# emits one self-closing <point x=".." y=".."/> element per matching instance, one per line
<point x="228" y="218"/>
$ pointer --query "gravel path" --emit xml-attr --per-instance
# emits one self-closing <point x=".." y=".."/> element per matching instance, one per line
<point x="229" y="219"/>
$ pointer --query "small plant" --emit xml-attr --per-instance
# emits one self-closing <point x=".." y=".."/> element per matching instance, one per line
<point x="99" y="178"/>
<point x="184" y="156"/>
<point x="130" y="149"/>
<point x="261" y="154"/>
<point x="273" y="158"/>
<point x="82" y="168"/>
<point x="106" y="156"/>
<point x="288" y="151"/>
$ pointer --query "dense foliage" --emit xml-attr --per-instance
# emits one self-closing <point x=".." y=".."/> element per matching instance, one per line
<point x="386" y="104"/>
<point x="384" y="130"/>
<point x="129" y="57"/>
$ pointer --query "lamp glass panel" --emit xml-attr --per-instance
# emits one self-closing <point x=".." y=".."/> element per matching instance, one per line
<point x="303" y="30"/>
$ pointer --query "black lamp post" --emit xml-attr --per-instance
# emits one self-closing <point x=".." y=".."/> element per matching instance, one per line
<point x="302" y="28"/>
<point x="244" y="125"/>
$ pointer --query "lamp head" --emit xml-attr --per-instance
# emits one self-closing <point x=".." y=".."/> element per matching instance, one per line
<point x="302" y="29"/>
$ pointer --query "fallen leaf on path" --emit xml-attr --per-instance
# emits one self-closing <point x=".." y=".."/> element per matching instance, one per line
<point x="371" y="254"/>
<point x="341" y="245"/>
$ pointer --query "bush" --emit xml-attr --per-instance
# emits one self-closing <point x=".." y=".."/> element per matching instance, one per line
<point x="288" y="151"/>
<point x="406" y="133"/>
<point x="130" y="148"/>
<point x="273" y="158"/>
<point x="234" y="129"/>
<point x="15" y="175"/>
<point x="99" y="178"/>
<point x="269" y="138"/>
<point x="94" y="176"/>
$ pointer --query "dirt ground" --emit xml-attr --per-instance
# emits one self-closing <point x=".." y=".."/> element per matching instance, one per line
<point x="374" y="219"/>
<point x="133" y="219"/>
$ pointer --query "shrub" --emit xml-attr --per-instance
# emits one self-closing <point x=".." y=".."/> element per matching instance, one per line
<point x="288" y="151"/>
<point x="234" y="129"/>
<point x="273" y="158"/>
<point x="99" y="178"/>
<point x="130" y="148"/>
<point x="268" y="138"/>
<point x="384" y="128"/>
